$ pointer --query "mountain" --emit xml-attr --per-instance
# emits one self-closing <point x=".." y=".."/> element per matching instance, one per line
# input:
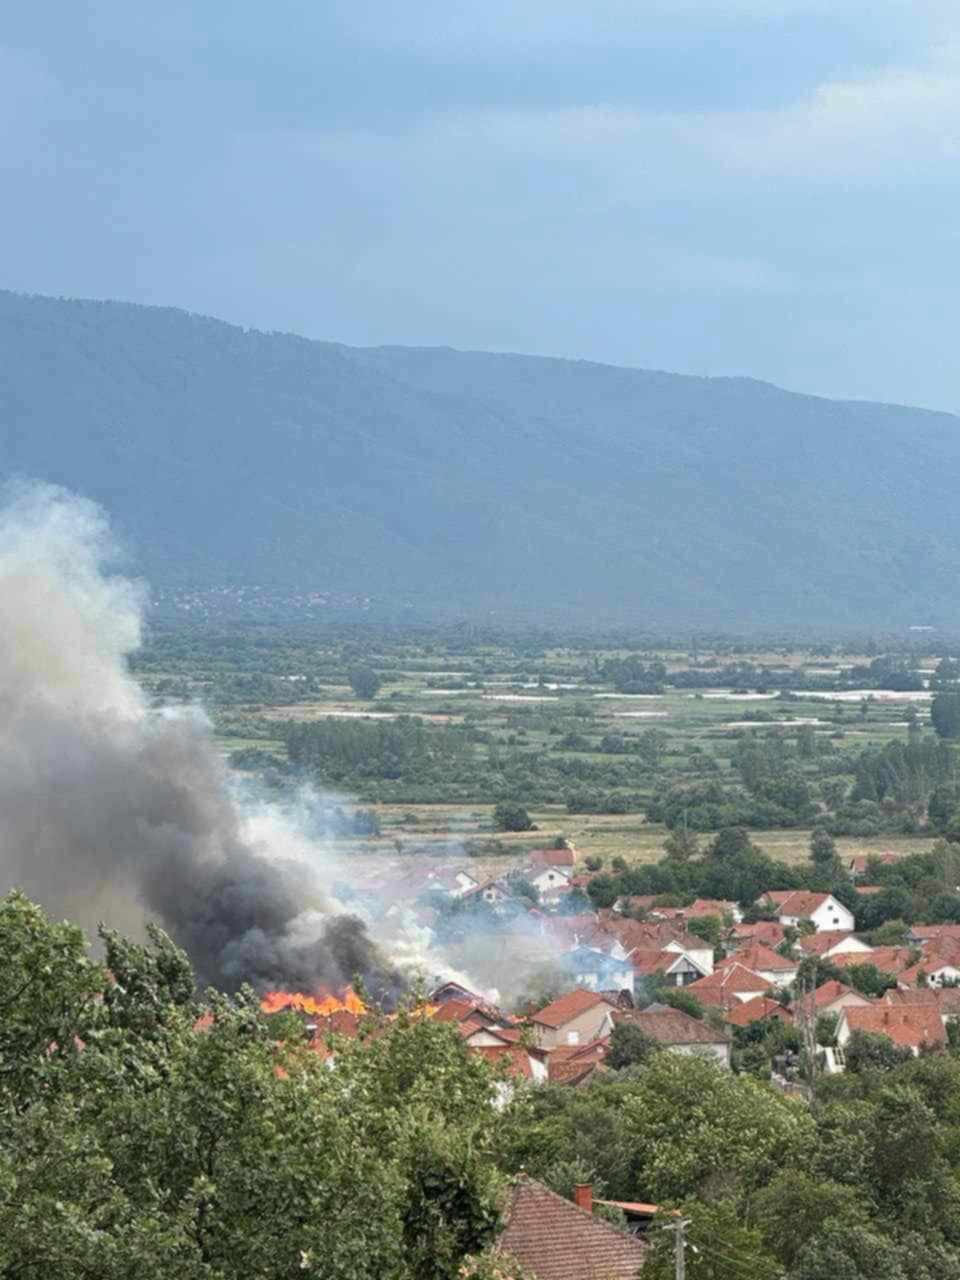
<point x="478" y="481"/>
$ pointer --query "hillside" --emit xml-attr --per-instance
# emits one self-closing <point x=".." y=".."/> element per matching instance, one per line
<point x="480" y="481"/>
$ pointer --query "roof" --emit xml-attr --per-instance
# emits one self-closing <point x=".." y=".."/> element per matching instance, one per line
<point x="672" y="1026"/>
<point x="859" y="864"/>
<point x="886" y="959"/>
<point x="755" y="1010"/>
<point x="652" y="935"/>
<point x="770" y="932"/>
<point x="927" y="932"/>
<point x="944" y="999"/>
<point x="557" y="1240"/>
<point x="722" y="987"/>
<point x="828" y="992"/>
<point x="710" y="907"/>
<point x="569" y="1006"/>
<point x="552" y="857"/>
<point x="757" y="957"/>
<point x="801" y="903"/>
<point x="911" y="1025"/>
<point x="517" y="1058"/>
<point x="817" y="943"/>
<point x="572" y="1064"/>
<point x="657" y="961"/>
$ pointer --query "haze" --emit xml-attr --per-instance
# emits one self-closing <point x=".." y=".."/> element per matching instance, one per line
<point x="764" y="187"/>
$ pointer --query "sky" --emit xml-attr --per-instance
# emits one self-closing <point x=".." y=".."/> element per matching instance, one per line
<point x="757" y="187"/>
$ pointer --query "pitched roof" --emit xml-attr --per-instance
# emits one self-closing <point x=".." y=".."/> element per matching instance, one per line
<point x="816" y="944"/>
<point x="927" y="932"/>
<point x="552" y="857"/>
<point x="646" y="962"/>
<point x="801" y="903"/>
<point x="859" y="864"/>
<point x="742" y="1014"/>
<point x="886" y="959"/>
<point x="671" y="1026"/>
<point x="570" y="1064"/>
<point x="652" y="935"/>
<point x="912" y="1025"/>
<point x="722" y="988"/>
<point x="516" y="1057"/>
<point x="830" y="991"/>
<point x="770" y="932"/>
<point x="757" y="957"/>
<point x="557" y="1240"/>
<point x="709" y="907"/>
<point x="944" y="999"/>
<point x="569" y="1006"/>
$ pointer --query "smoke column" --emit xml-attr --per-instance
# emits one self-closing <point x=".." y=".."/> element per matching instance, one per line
<point x="109" y="809"/>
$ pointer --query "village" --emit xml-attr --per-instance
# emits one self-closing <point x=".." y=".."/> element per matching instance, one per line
<point x="710" y="978"/>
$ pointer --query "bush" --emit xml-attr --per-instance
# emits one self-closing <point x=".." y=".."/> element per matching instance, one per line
<point x="510" y="816"/>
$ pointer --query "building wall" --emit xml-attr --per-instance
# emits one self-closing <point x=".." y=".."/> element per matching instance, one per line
<point x="582" y="1029"/>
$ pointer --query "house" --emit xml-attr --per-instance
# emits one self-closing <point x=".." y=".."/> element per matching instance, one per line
<point x="729" y="986"/>
<point x="549" y="882"/>
<point x="564" y="857"/>
<point x="921" y="933"/>
<point x="832" y="942"/>
<point x="790" y="906"/>
<point x="776" y="969"/>
<point x="914" y="1026"/>
<point x="678" y="969"/>
<point x="939" y="965"/>
<point x="627" y="936"/>
<point x="759" y="1009"/>
<point x="596" y="971"/>
<point x="770" y="932"/>
<point x="892" y="960"/>
<point x="946" y="1000"/>
<point x="516" y="1063"/>
<point x="713" y="907"/>
<point x="860" y="865"/>
<point x="452" y="881"/>
<point x="575" y="1018"/>
<point x="576" y="1065"/>
<point x="679" y="1032"/>
<point x="832" y="996"/>
<point x="555" y="1239"/>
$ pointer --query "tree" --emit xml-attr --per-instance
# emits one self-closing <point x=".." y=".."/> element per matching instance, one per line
<point x="867" y="1051"/>
<point x="629" y="1045"/>
<point x="365" y="682"/>
<point x="681" y="845"/>
<point x="823" y="852"/>
<point x="945" y="715"/>
<point x="593" y="862"/>
<point x="510" y="816"/>
<point x="792" y="1208"/>
<point x="730" y="842"/>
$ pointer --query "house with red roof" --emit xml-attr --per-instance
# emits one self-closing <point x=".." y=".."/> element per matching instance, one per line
<point x="729" y="986"/>
<point x="832" y="996"/>
<point x="575" y="1065"/>
<point x="790" y="906"/>
<point x="556" y="1239"/>
<point x="860" y="865"/>
<point x="892" y="960"/>
<point x="777" y="970"/>
<point x="946" y="1000"/>
<point x="939" y="965"/>
<point x="832" y="942"/>
<point x="914" y="1026"/>
<point x="677" y="1031"/>
<point x="575" y="1018"/>
<point x="720" y="907"/>
<point x="564" y="857"/>
<point x="759" y="1009"/>
<point x="770" y="932"/>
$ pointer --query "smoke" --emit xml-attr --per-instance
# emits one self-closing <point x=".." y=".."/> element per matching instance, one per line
<point x="110" y="809"/>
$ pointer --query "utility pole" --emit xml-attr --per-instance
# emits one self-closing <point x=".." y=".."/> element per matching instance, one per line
<point x="679" y="1229"/>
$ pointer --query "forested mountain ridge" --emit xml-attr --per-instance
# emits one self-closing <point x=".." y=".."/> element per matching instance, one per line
<point x="480" y="481"/>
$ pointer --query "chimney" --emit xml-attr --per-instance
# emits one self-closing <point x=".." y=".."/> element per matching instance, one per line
<point x="583" y="1196"/>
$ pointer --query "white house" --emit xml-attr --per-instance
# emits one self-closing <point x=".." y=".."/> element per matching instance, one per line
<point x="790" y="906"/>
<point x="548" y="881"/>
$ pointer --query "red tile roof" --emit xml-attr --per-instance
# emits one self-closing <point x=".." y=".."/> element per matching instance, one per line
<point x="570" y="1064"/>
<point x="757" y="957"/>
<point x="552" y="857"/>
<point x="912" y="1025"/>
<point x="709" y="907"/>
<point x="554" y="1239"/>
<point x="770" y="932"/>
<point x="828" y="992"/>
<point x="723" y="985"/>
<point x="859" y="864"/>
<point x="816" y="944"/>
<point x="944" y="999"/>
<point x="927" y="932"/>
<point x="886" y="959"/>
<point x="569" y="1006"/>
<point x="755" y="1010"/>
<point x="516" y="1058"/>
<point x="671" y="1026"/>
<point x="795" y="902"/>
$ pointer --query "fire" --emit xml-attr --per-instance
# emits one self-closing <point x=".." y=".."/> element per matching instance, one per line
<point x="318" y="1006"/>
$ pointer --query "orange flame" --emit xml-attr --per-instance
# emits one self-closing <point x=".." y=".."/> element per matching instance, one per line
<point x="318" y="1006"/>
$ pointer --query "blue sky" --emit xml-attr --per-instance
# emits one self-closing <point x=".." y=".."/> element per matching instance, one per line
<point x="762" y="187"/>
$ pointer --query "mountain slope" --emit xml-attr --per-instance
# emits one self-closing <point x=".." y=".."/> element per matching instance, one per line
<point x="477" y="480"/>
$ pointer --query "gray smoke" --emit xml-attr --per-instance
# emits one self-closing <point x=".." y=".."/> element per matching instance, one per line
<point x="111" y="810"/>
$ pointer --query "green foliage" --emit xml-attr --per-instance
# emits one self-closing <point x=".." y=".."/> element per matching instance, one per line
<point x="629" y="1046"/>
<point x="945" y="715"/>
<point x="508" y="816"/>
<point x="867" y="1051"/>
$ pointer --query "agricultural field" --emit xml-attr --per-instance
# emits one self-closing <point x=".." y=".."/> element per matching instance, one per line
<point x="599" y="744"/>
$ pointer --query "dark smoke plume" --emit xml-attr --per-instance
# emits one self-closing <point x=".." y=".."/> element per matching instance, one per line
<point x="110" y="810"/>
